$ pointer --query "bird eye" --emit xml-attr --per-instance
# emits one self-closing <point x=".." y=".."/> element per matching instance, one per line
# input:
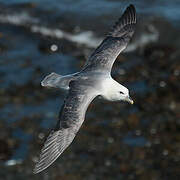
<point x="121" y="92"/>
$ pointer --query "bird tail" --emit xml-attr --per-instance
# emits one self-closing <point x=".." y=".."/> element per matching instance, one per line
<point x="54" y="80"/>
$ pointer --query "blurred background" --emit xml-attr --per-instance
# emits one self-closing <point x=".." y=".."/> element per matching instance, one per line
<point x="117" y="140"/>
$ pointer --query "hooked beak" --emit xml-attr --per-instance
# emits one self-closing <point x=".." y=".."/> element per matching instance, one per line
<point x="129" y="100"/>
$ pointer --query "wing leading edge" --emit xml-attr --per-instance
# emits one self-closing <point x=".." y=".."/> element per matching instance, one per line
<point x="115" y="42"/>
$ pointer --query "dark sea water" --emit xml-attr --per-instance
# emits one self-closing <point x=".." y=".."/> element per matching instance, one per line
<point x="116" y="141"/>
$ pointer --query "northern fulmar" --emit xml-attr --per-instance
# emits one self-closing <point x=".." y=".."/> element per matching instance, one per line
<point x="93" y="80"/>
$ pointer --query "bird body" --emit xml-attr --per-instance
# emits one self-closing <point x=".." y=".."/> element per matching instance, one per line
<point x="93" y="80"/>
<point x="101" y="82"/>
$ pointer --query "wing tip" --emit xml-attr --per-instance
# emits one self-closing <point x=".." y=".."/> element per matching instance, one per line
<point x="132" y="7"/>
<point x="127" y="18"/>
<point x="49" y="152"/>
<point x="36" y="171"/>
<point x="54" y="146"/>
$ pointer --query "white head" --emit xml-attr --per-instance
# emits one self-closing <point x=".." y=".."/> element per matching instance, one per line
<point x="117" y="92"/>
<point x="123" y="94"/>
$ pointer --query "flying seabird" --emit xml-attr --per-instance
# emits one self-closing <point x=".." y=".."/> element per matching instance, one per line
<point x="93" y="80"/>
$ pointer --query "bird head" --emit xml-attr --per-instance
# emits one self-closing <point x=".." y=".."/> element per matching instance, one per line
<point x="123" y="94"/>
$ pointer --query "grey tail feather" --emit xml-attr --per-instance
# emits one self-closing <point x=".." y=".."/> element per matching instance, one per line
<point x="54" y="80"/>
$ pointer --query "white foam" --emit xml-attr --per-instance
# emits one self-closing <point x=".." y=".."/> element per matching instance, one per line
<point x="144" y="38"/>
<point x="17" y="19"/>
<point x="13" y="162"/>
<point x="23" y="19"/>
<point x="87" y="37"/>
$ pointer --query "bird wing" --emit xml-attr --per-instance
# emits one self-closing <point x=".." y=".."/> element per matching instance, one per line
<point x="115" y="42"/>
<point x="71" y="117"/>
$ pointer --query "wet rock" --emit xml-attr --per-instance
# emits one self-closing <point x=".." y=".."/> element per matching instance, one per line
<point x="5" y="150"/>
<point x="3" y="48"/>
<point x="160" y="52"/>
